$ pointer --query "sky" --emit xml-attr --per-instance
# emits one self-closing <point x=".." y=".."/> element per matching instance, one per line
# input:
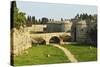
<point x="54" y="11"/>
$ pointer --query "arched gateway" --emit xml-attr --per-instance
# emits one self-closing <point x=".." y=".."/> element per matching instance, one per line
<point x="54" y="39"/>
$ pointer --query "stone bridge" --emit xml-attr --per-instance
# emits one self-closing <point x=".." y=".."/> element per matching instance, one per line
<point x="50" y="36"/>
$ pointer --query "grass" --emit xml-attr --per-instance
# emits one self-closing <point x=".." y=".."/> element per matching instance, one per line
<point x="82" y="52"/>
<point x="38" y="55"/>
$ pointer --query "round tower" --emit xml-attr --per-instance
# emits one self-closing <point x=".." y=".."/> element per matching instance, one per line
<point x="81" y="31"/>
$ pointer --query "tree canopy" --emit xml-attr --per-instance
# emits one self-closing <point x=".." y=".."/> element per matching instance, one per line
<point x="17" y="18"/>
<point x="44" y="20"/>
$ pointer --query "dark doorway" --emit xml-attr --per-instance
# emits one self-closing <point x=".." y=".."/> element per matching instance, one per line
<point x="55" y="40"/>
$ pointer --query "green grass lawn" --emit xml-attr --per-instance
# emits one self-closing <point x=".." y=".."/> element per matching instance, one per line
<point x="38" y="55"/>
<point x="82" y="52"/>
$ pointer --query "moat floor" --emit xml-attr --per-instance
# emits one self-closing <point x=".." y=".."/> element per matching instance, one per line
<point x="41" y="54"/>
<point x="83" y="52"/>
<point x="48" y="54"/>
<point x="67" y="53"/>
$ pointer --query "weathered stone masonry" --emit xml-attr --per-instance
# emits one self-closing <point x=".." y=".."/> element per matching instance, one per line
<point x="21" y="41"/>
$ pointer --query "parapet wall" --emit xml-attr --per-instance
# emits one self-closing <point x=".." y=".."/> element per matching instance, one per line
<point x="20" y="41"/>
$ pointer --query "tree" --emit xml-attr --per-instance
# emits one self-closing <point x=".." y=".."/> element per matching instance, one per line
<point x="83" y="16"/>
<point x="20" y="19"/>
<point x="50" y="19"/>
<point x="36" y="21"/>
<point x="39" y="21"/>
<point x="30" y="19"/>
<point x="14" y="12"/>
<point x="27" y="22"/>
<point x="17" y="18"/>
<point x="44" y="20"/>
<point x="61" y="19"/>
<point x="80" y="18"/>
<point x="77" y="16"/>
<point x="33" y="19"/>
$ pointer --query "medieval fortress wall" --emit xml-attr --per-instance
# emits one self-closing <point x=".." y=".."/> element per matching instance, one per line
<point x="21" y="41"/>
<point x="22" y="38"/>
<point x="37" y="28"/>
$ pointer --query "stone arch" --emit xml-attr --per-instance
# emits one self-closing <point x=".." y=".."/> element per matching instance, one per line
<point x="38" y="40"/>
<point x="54" y="39"/>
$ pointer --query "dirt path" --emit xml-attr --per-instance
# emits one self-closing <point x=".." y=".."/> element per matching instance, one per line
<point x="67" y="53"/>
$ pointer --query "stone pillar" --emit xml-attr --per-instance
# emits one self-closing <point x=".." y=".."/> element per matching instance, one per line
<point x="47" y="42"/>
<point x="61" y="41"/>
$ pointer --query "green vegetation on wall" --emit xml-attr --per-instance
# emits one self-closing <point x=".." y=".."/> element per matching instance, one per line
<point x="17" y="18"/>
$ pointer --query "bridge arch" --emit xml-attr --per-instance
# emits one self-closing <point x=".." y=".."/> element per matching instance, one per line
<point x="38" y="40"/>
<point x="50" y="36"/>
<point x="54" y="39"/>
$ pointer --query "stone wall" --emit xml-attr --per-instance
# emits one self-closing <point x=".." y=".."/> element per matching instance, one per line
<point x="20" y="41"/>
<point x="55" y="27"/>
<point x="68" y="26"/>
<point x="37" y="28"/>
<point x="81" y="31"/>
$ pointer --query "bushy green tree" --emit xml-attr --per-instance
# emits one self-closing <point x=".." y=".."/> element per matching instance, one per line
<point x="33" y="19"/>
<point x="61" y="19"/>
<point x="20" y="19"/>
<point x="44" y="20"/>
<point x="17" y="18"/>
<point x="39" y="21"/>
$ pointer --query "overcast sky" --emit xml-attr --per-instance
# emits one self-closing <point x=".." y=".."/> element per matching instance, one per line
<point x="54" y="11"/>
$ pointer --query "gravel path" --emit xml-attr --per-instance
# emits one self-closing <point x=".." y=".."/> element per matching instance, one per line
<point x="67" y="53"/>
